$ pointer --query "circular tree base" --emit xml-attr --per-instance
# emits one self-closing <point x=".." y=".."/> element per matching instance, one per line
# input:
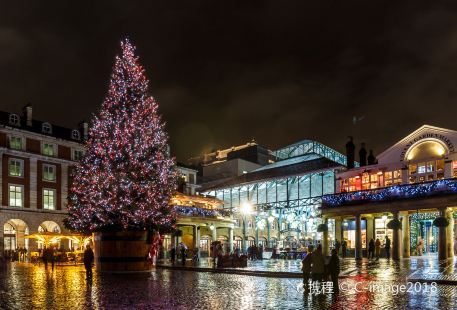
<point x="121" y="251"/>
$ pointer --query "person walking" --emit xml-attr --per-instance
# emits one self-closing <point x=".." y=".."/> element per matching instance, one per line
<point x="183" y="254"/>
<point x="306" y="268"/>
<point x="334" y="269"/>
<point x="45" y="258"/>
<point x="371" y="249"/>
<point x="337" y="246"/>
<point x="173" y="255"/>
<point x="377" y="248"/>
<point x="318" y="264"/>
<point x="88" y="261"/>
<point x="344" y="245"/>
<point x="52" y="257"/>
<point x="387" y="247"/>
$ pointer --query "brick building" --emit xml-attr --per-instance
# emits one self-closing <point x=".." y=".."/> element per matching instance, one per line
<point x="36" y="160"/>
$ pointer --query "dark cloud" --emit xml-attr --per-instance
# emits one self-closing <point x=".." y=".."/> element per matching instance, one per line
<point x="225" y="72"/>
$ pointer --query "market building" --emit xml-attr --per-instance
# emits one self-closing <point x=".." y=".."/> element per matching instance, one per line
<point x="413" y="182"/>
<point x="276" y="204"/>
<point x="36" y="160"/>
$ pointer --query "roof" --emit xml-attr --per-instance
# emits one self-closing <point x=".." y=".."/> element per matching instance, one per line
<point x="291" y="167"/>
<point x="57" y="131"/>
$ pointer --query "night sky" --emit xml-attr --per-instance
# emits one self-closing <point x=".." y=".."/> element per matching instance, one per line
<point x="225" y="72"/>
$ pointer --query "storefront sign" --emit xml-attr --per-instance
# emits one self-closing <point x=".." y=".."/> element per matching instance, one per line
<point x="425" y="136"/>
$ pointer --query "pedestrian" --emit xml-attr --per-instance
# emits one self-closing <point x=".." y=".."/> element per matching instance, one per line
<point x="337" y="246"/>
<point x="419" y="247"/>
<point x="196" y="255"/>
<point x="387" y="247"/>
<point x="371" y="249"/>
<point x="306" y="268"/>
<point x="334" y="269"/>
<point x="45" y="258"/>
<point x="344" y="245"/>
<point x="88" y="261"/>
<point x="318" y="264"/>
<point x="173" y="255"/>
<point x="183" y="254"/>
<point x="52" y="257"/>
<point x="377" y="248"/>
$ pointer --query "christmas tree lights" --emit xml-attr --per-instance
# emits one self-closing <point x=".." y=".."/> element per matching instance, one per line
<point x="126" y="177"/>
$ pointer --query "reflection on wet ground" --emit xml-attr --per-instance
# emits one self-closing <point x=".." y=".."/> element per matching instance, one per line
<point x="31" y="287"/>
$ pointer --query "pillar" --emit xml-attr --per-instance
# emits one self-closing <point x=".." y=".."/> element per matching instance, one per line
<point x="405" y="229"/>
<point x="195" y="236"/>
<point x="358" y="236"/>
<point x="325" y="251"/>
<point x="231" y="239"/>
<point x="450" y="234"/>
<point x="448" y="169"/>
<point x="214" y="233"/>
<point x="339" y="229"/>
<point x="370" y="228"/>
<point x="396" y="251"/>
<point x="442" y="239"/>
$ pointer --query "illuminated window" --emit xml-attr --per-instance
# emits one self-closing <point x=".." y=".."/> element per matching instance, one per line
<point x="388" y="178"/>
<point x="16" y="143"/>
<point x="397" y="176"/>
<point x="412" y="169"/>
<point x="49" y="199"/>
<point x="440" y="165"/>
<point x="365" y="181"/>
<point x="48" y="149"/>
<point x="49" y="173"/>
<point x="15" y="195"/>
<point x="421" y="168"/>
<point x="430" y="166"/>
<point x="16" y="167"/>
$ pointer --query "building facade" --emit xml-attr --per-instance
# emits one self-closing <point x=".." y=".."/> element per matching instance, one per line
<point x="276" y="205"/>
<point x="36" y="160"/>
<point x="413" y="181"/>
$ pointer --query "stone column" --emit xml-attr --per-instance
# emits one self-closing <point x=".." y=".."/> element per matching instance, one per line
<point x="231" y="239"/>
<point x="448" y="169"/>
<point x="450" y="234"/>
<point x="358" y="237"/>
<point x="396" y="251"/>
<point x="338" y="229"/>
<point x="214" y="233"/>
<point x="404" y="175"/>
<point x="370" y="228"/>
<point x="405" y="229"/>
<point x="442" y="239"/>
<point x="325" y="239"/>
<point x="195" y="236"/>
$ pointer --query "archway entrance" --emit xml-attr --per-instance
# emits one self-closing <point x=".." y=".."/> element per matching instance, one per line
<point x="50" y="226"/>
<point x="15" y="244"/>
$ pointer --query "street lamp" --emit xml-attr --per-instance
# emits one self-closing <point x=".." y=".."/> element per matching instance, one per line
<point x="245" y="209"/>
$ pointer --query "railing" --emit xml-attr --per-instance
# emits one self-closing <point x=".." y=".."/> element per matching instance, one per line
<point x="201" y="212"/>
<point x="407" y="191"/>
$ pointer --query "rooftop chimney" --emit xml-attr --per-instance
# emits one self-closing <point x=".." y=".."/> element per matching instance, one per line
<point x="350" y="153"/>
<point x="363" y="155"/>
<point x="27" y="114"/>
<point x="84" y="129"/>
<point x="371" y="158"/>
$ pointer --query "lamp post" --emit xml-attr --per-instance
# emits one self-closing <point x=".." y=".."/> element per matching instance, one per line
<point x="245" y="209"/>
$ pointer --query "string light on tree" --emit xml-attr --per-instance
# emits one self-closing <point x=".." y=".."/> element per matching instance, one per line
<point x="126" y="177"/>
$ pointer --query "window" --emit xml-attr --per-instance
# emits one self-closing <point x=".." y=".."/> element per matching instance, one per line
<point x="16" y="167"/>
<point x="412" y="169"/>
<point x="77" y="154"/>
<point x="16" y="143"/>
<point x="250" y="224"/>
<point x="48" y="149"/>
<point x="15" y="195"/>
<point x="46" y="128"/>
<point x="191" y="178"/>
<point x="237" y="222"/>
<point x="75" y="134"/>
<point x="273" y="225"/>
<point x="421" y="168"/>
<point x="49" y="173"/>
<point x="14" y="120"/>
<point x="49" y="199"/>
<point x="430" y="166"/>
<point x="388" y="178"/>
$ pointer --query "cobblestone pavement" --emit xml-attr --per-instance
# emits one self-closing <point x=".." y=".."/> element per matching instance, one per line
<point x="24" y="286"/>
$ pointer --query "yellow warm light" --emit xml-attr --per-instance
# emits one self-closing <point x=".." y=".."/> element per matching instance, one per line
<point x="425" y="150"/>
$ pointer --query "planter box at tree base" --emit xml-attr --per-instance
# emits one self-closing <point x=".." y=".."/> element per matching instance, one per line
<point x="121" y="251"/>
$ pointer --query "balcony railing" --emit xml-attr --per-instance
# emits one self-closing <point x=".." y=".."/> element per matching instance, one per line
<point x="201" y="212"/>
<point x="398" y="192"/>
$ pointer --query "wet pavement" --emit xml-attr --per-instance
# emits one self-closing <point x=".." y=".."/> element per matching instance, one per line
<point x="25" y="286"/>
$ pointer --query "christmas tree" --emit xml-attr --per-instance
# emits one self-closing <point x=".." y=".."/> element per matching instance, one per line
<point x="126" y="177"/>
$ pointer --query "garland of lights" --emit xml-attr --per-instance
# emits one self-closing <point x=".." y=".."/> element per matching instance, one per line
<point x="429" y="189"/>
<point x="200" y="212"/>
<point x="126" y="177"/>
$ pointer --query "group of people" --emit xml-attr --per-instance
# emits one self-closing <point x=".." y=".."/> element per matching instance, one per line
<point x="255" y="252"/>
<point x="317" y="268"/>
<point x="17" y="255"/>
<point x="182" y="249"/>
<point x="374" y="247"/>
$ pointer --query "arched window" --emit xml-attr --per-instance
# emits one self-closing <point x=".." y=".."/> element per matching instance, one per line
<point x="14" y="120"/>
<point x="75" y="135"/>
<point x="46" y="128"/>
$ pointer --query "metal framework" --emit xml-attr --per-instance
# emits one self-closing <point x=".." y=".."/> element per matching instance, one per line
<point x="310" y="147"/>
